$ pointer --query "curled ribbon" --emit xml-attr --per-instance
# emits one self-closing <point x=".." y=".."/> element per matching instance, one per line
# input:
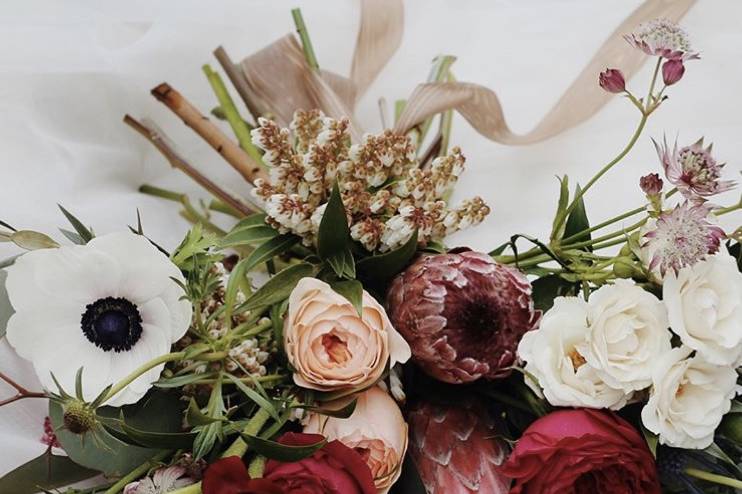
<point x="277" y="80"/>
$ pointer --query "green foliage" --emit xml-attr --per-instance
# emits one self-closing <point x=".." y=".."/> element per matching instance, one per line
<point x="558" y="226"/>
<point x="45" y="472"/>
<point x="577" y="221"/>
<point x="269" y="249"/>
<point x="281" y="452"/>
<point x="85" y="233"/>
<point x="351" y="290"/>
<point x="279" y="287"/>
<point x="99" y="450"/>
<point x="247" y="235"/>
<point x="333" y="238"/>
<point x="6" y="309"/>
<point x="385" y="266"/>
<point x="342" y="412"/>
<point x="547" y="288"/>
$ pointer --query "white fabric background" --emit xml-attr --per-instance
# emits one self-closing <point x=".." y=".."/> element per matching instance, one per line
<point x="70" y="70"/>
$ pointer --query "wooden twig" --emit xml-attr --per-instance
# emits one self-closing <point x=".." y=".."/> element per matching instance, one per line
<point x="176" y="161"/>
<point x="21" y="391"/>
<point x="235" y="155"/>
<point x="238" y="81"/>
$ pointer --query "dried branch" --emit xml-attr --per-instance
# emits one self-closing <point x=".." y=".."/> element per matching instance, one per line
<point x="21" y="391"/>
<point x="235" y="155"/>
<point x="238" y="81"/>
<point x="176" y="161"/>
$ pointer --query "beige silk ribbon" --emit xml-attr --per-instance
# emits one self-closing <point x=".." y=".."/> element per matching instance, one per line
<point x="277" y="79"/>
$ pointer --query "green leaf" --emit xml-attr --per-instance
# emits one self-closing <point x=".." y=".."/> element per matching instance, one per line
<point x="387" y="265"/>
<point x="206" y="438"/>
<point x="343" y="264"/>
<point x="279" y="287"/>
<point x="651" y="438"/>
<point x="247" y="235"/>
<point x="6" y="310"/>
<point x="333" y="237"/>
<point x="179" y="381"/>
<point x="30" y="240"/>
<point x="718" y="453"/>
<point x="351" y="290"/>
<point x="341" y="412"/>
<point x="252" y="220"/>
<point x="499" y="250"/>
<point x="577" y="221"/>
<point x="269" y="249"/>
<point x="195" y="417"/>
<point x="253" y="395"/>
<point x="547" y="288"/>
<point x="731" y="427"/>
<point x="158" y="412"/>
<point x="147" y="439"/>
<point x="281" y="452"/>
<point x="45" y="472"/>
<point x="557" y="227"/>
<point x="85" y="234"/>
<point x="72" y="237"/>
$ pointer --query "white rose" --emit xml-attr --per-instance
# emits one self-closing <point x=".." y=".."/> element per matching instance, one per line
<point x="627" y="332"/>
<point x="704" y="305"/>
<point x="689" y="397"/>
<point x="553" y="358"/>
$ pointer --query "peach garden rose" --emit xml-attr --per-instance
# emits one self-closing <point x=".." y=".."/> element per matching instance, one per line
<point x="331" y="347"/>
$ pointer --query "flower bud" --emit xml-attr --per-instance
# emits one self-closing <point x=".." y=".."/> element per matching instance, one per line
<point x="651" y="184"/>
<point x="672" y="71"/>
<point x="78" y="417"/>
<point x="612" y="80"/>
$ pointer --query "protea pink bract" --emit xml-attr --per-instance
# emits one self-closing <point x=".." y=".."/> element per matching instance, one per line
<point x="462" y="314"/>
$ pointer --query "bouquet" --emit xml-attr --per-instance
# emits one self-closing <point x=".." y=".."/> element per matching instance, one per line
<point x="330" y="341"/>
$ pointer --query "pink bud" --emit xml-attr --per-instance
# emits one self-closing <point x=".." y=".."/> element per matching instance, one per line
<point x="651" y="184"/>
<point x="672" y="71"/>
<point x="612" y="81"/>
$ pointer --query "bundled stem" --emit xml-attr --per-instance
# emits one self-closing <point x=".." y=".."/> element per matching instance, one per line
<point x="176" y="161"/>
<point x="231" y="152"/>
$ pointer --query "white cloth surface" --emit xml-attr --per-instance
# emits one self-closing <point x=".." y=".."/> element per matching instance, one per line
<point x="70" y="70"/>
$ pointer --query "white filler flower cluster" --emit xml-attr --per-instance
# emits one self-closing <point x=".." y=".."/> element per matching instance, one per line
<point x="600" y="353"/>
<point x="387" y="192"/>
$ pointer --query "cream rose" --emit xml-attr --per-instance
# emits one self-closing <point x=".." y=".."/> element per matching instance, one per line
<point x="552" y="355"/>
<point x="376" y="430"/>
<point x="704" y="305"/>
<point x="628" y="330"/>
<point x="689" y="397"/>
<point x="330" y="346"/>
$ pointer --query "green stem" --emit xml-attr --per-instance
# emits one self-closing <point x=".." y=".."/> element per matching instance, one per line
<point x="192" y="215"/>
<point x="170" y="195"/>
<point x="712" y="477"/>
<point x="239" y="127"/>
<point x="306" y="42"/>
<point x="256" y="468"/>
<point x="239" y="446"/>
<point x="649" y="105"/>
<point x="615" y="219"/>
<point x="249" y="380"/>
<point x="721" y="211"/>
<point x="136" y="473"/>
<point x="168" y="357"/>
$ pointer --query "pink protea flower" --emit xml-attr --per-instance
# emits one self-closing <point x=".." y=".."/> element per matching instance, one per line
<point x="664" y="38"/>
<point x="462" y="314"/>
<point x="680" y="237"/>
<point x="455" y="450"/>
<point x="693" y="170"/>
<point x="612" y="80"/>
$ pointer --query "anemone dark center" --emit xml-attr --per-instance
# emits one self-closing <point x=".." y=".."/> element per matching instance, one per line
<point x="112" y="324"/>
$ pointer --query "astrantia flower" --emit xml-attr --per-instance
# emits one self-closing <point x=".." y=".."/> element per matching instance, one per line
<point x="164" y="480"/>
<point x="680" y="237"/>
<point x="664" y="38"/>
<point x="108" y="306"/>
<point x="462" y="315"/>
<point x="693" y="170"/>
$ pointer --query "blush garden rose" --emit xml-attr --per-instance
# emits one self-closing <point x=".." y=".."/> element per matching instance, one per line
<point x="330" y="346"/>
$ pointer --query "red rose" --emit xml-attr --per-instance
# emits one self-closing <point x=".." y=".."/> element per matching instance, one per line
<point x="582" y="452"/>
<point x="334" y="469"/>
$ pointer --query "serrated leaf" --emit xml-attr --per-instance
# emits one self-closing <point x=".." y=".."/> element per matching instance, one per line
<point x="333" y="237"/>
<point x="279" y="287"/>
<point x="45" y="472"/>
<point x="30" y="240"/>
<point x="85" y="234"/>
<point x="6" y="309"/>
<point x="247" y="235"/>
<point x="387" y="265"/>
<point x="351" y="290"/>
<point x="253" y="395"/>
<point x="269" y="249"/>
<point x="281" y="452"/>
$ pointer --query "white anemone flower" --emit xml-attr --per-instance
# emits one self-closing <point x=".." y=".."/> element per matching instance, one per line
<point x="108" y="306"/>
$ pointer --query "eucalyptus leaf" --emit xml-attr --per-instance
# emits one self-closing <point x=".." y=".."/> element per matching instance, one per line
<point x="30" y="240"/>
<point x="351" y="290"/>
<point x="333" y="237"/>
<point x="158" y="411"/>
<point x="6" y="309"/>
<point x="281" y="452"/>
<point x="279" y="287"/>
<point x="247" y="235"/>
<point x="45" y="472"/>
<point x="385" y="266"/>
<point x="85" y="234"/>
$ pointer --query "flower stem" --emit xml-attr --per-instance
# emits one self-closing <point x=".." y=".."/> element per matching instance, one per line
<point x="168" y="357"/>
<point x="649" y="105"/>
<point x="306" y="42"/>
<point x="712" y="477"/>
<point x="21" y="392"/>
<point x="239" y="446"/>
<point x="241" y="131"/>
<point x="136" y="473"/>
<point x="256" y="467"/>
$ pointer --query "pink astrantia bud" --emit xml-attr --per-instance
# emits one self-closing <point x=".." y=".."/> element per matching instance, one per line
<point x="49" y="438"/>
<point x="612" y="80"/>
<point x="672" y="71"/>
<point x="651" y="184"/>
